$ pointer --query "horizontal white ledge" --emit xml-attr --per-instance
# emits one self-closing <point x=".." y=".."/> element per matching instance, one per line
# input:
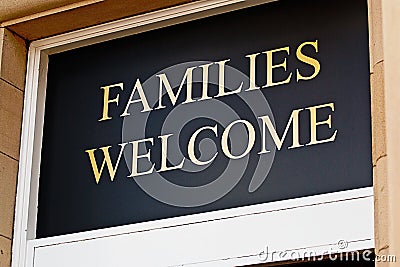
<point x="232" y="237"/>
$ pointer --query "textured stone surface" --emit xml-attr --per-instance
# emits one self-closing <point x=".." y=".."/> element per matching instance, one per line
<point x="381" y="208"/>
<point x="378" y="113"/>
<point x="375" y="30"/>
<point x="391" y="44"/>
<point x="5" y="252"/>
<point x="11" y="9"/>
<point x="8" y="181"/>
<point x="86" y="16"/>
<point x="11" y="102"/>
<point x="12" y="58"/>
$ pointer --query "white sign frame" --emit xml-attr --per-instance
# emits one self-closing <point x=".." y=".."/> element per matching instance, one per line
<point x="238" y="236"/>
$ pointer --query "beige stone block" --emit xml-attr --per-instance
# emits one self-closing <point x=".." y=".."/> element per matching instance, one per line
<point x="381" y="208"/>
<point x="5" y="252"/>
<point x="8" y="185"/>
<point x="59" y="22"/>
<point x="391" y="29"/>
<point x="13" y="58"/>
<point x="11" y="9"/>
<point x="375" y="31"/>
<point x="11" y="102"/>
<point x="378" y="113"/>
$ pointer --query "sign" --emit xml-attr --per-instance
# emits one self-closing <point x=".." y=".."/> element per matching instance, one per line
<point x="258" y="105"/>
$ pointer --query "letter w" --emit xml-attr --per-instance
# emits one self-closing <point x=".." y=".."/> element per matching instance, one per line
<point x="107" y="160"/>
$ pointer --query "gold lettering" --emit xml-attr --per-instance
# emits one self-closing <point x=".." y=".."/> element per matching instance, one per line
<point x="306" y="59"/>
<point x="294" y="118"/>
<point x="107" y="101"/>
<point x="252" y="77"/>
<point x="271" y="67"/>
<point x="250" y="141"/>
<point x="106" y="161"/>
<point x="192" y="140"/>
<point x="314" y="123"/>
<point x="188" y="77"/>
<point x="136" y="156"/>
<point x="204" y="95"/>
<point x="221" y="80"/>
<point x="142" y="99"/>
<point x="164" y="155"/>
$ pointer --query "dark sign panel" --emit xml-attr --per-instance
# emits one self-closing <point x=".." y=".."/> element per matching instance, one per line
<point x="258" y="105"/>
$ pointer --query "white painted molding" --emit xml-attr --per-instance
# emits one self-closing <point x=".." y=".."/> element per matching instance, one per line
<point x="303" y="226"/>
<point x="25" y="162"/>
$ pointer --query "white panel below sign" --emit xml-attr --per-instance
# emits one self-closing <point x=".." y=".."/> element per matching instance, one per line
<point x="237" y="236"/>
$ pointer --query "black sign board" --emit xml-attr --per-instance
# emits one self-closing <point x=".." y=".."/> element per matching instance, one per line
<point x="252" y="106"/>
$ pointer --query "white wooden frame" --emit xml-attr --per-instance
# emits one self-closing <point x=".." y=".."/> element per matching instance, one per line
<point x="346" y="215"/>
